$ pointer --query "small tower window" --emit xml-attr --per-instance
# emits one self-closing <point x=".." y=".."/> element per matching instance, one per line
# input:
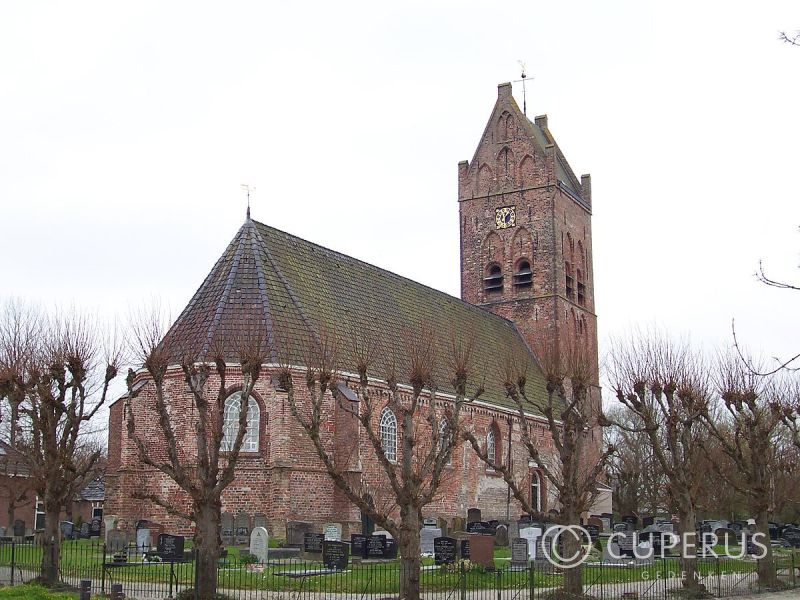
<point x="493" y="282"/>
<point x="523" y="278"/>
<point x="581" y="289"/>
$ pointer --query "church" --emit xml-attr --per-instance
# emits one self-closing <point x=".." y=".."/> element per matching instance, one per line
<point x="526" y="285"/>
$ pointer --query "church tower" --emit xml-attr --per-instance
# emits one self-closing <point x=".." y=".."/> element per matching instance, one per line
<point x="526" y="233"/>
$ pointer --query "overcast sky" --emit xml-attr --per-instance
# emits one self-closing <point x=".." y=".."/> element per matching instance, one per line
<point x="127" y="128"/>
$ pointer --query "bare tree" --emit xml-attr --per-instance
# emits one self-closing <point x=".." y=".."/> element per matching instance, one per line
<point x="203" y="470"/>
<point x="666" y="386"/>
<point x="746" y="433"/>
<point x="793" y="39"/>
<point x="428" y="428"/>
<point x="55" y="378"/>
<point x="576" y="469"/>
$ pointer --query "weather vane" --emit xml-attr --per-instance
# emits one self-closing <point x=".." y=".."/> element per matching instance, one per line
<point x="248" y="188"/>
<point x="524" y="99"/>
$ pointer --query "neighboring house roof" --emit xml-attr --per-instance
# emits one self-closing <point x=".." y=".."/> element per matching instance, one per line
<point x="94" y="491"/>
<point x="11" y="462"/>
<point x="292" y="289"/>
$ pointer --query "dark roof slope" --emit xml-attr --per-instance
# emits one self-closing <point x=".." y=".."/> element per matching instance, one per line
<point x="292" y="290"/>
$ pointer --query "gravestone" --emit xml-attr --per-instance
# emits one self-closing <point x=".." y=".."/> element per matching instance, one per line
<point x="513" y="530"/>
<point x="774" y="530"/>
<point x="531" y="535"/>
<point x="458" y="524"/>
<point x="473" y="515"/>
<point x="110" y="522"/>
<point x="95" y="527"/>
<point x="260" y="520"/>
<point x="480" y="527"/>
<point x="312" y="542"/>
<point x="296" y="531"/>
<point x="390" y="551"/>
<point x="335" y="555"/>
<point x="519" y="553"/>
<point x="593" y="531"/>
<point x="597" y="522"/>
<point x="648" y="521"/>
<point x="442" y="524"/>
<point x="259" y="544"/>
<point x="242" y="529"/>
<point x="430" y="522"/>
<point x="142" y="538"/>
<point x="333" y="532"/>
<point x="358" y="545"/>
<point x="19" y="528"/>
<point x="501" y="536"/>
<point x="464" y="549"/>
<point x="226" y="529"/>
<point x="481" y="550"/>
<point x="67" y="528"/>
<point x="85" y="530"/>
<point x="626" y="541"/>
<point x="375" y="546"/>
<point x="2" y="532"/>
<point x="792" y="535"/>
<point x="426" y="537"/>
<point x="444" y="550"/>
<point x="116" y="540"/>
<point x="630" y="521"/>
<point x="170" y="547"/>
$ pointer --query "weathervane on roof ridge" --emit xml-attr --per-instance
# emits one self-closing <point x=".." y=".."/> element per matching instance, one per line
<point x="248" y="188"/>
<point x="524" y="99"/>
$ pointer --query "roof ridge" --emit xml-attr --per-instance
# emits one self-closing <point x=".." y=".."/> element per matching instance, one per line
<point x="445" y="295"/>
<point x="285" y="282"/>
<point x="226" y="292"/>
<point x="262" y="289"/>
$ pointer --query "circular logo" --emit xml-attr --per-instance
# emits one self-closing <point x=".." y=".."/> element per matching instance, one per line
<point x="570" y="545"/>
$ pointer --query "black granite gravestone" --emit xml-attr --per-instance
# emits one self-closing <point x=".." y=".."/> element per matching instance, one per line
<point x="84" y="530"/>
<point x="391" y="549"/>
<point x="170" y="547"/>
<point x="792" y="535"/>
<point x="444" y="550"/>
<point x="375" y="546"/>
<point x="335" y="555"/>
<point x="19" y="528"/>
<point x="358" y="545"/>
<point x="95" y="525"/>
<point x="312" y="542"/>
<point x="464" y="548"/>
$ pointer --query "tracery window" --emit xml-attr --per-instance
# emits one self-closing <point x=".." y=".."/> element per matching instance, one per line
<point x="388" y="431"/>
<point x="230" y="424"/>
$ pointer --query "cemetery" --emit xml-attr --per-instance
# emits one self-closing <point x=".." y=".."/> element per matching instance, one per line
<point x="483" y="556"/>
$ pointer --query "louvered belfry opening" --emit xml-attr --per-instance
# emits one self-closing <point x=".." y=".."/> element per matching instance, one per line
<point x="523" y="278"/>
<point x="493" y="282"/>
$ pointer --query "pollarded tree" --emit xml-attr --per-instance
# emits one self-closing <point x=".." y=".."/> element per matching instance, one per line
<point x="665" y="385"/>
<point x="54" y="376"/>
<point x="747" y="433"/>
<point x="575" y="471"/>
<point x="207" y="468"/>
<point x="412" y="467"/>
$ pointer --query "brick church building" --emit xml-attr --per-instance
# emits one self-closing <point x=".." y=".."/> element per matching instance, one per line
<point x="526" y="285"/>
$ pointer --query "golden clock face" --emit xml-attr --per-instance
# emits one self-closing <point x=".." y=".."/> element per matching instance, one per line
<point x="504" y="217"/>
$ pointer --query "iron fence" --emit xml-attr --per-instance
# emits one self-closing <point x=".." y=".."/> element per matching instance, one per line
<point x="143" y="576"/>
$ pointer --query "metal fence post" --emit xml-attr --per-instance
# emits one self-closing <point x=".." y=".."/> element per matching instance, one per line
<point x="664" y="574"/>
<point x="530" y="579"/>
<point x="498" y="583"/>
<point x="463" y="582"/>
<point x="103" y="573"/>
<point x="13" y="557"/>
<point x="794" y="581"/>
<point x="719" y="580"/>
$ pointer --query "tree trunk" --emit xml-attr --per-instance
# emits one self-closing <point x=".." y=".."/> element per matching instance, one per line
<point x="408" y="545"/>
<point x="207" y="548"/>
<point x="51" y="544"/>
<point x="688" y="534"/>
<point x="571" y="547"/>
<point x="766" y="566"/>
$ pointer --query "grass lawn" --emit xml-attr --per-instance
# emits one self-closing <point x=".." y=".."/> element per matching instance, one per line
<point x="33" y="592"/>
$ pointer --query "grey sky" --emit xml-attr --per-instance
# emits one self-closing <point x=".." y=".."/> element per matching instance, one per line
<point x="126" y="129"/>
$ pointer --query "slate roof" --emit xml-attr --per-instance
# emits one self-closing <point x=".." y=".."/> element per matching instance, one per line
<point x="95" y="490"/>
<point x="292" y="289"/>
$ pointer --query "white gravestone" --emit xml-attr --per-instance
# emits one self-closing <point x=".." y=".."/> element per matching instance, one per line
<point x="143" y="540"/>
<point x="531" y="534"/>
<point x="259" y="544"/>
<point x="333" y="532"/>
<point x="426" y="537"/>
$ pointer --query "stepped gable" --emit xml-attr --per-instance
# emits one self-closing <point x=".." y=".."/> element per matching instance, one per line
<point x="292" y="289"/>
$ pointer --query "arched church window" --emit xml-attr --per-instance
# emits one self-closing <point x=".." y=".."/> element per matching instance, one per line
<point x="523" y="276"/>
<point x="388" y="431"/>
<point x="581" y="272"/>
<point x="230" y="424"/>
<point x="444" y="439"/>
<point x="493" y="446"/>
<point x="536" y="491"/>
<point x="493" y="282"/>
